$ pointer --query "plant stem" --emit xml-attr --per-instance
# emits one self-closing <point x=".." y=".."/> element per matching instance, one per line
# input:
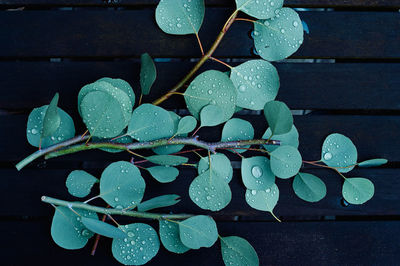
<point x="203" y="59"/>
<point x="109" y="211"/>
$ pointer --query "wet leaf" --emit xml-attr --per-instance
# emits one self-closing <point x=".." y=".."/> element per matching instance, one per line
<point x="52" y="119"/>
<point x="198" y="231"/>
<point x="220" y="164"/>
<point x="186" y="124"/>
<point x="259" y="9"/>
<point x="103" y="228"/>
<point x="148" y="73"/>
<point x="339" y="151"/>
<point x="237" y="251"/>
<point x="211" y="115"/>
<point x="163" y="150"/>
<point x="291" y="138"/>
<point x="308" y="187"/>
<point x="237" y="129"/>
<point x="256" y="173"/>
<point x="122" y="85"/>
<point x="263" y="200"/>
<point x="163" y="174"/>
<point x="79" y="183"/>
<point x="373" y="163"/>
<point x="357" y="190"/>
<point x="169" y="235"/>
<point x="279" y="117"/>
<point x="168" y="160"/>
<point x="285" y="161"/>
<point x="158" y="202"/>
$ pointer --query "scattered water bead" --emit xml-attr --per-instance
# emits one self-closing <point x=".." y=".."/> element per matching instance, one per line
<point x="122" y="180"/>
<point x="285" y="161"/>
<point x="69" y="232"/>
<point x="79" y="183"/>
<point x="290" y="138"/>
<point x="237" y="251"/>
<point x="339" y="151"/>
<point x="257" y="82"/>
<point x="309" y="187"/>
<point x="263" y="200"/>
<point x="169" y="235"/>
<point x="158" y="202"/>
<point x="148" y="73"/>
<point x="145" y="244"/>
<point x="211" y="115"/>
<point x="180" y="16"/>
<point x="122" y="85"/>
<point x="52" y="118"/>
<point x="279" y="117"/>
<point x="198" y="231"/>
<point x="279" y="37"/>
<point x="219" y="164"/>
<point x="237" y="129"/>
<point x="256" y="173"/>
<point x="357" y="190"/>
<point x="259" y="9"/>
<point x="163" y="174"/>
<point x="102" y="228"/>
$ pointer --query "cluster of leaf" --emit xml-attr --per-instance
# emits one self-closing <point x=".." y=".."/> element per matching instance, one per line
<point x="212" y="98"/>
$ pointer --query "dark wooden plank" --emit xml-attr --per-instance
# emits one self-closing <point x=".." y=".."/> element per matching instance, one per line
<point x="130" y="33"/>
<point x="311" y="243"/>
<point x="26" y="188"/>
<point x="340" y="86"/>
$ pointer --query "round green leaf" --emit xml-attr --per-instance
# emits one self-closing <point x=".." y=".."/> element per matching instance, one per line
<point x="280" y="36"/>
<point x="256" y="173"/>
<point x="186" y="124"/>
<point x="237" y="251"/>
<point x="211" y="115"/>
<point x="67" y="230"/>
<point x="163" y="174"/>
<point x="79" y="183"/>
<point x="198" y="231"/>
<point x="168" y="160"/>
<point x="220" y="164"/>
<point x="169" y="235"/>
<point x="259" y="9"/>
<point x="52" y="119"/>
<point x="237" y="129"/>
<point x="291" y="138"/>
<point x="158" y="202"/>
<point x="102" y="228"/>
<point x="373" y="163"/>
<point x="256" y="82"/>
<point x="65" y="131"/>
<point x="263" y="200"/>
<point x="210" y="191"/>
<point x="139" y="246"/>
<point x="279" y="117"/>
<point x="339" y="151"/>
<point x="357" y="190"/>
<point x="211" y="87"/>
<point x="148" y="73"/>
<point x="122" y="85"/>
<point x="180" y="16"/>
<point x="121" y="185"/>
<point x="308" y="187"/>
<point x="285" y="161"/>
<point x="168" y="149"/>
<point x="150" y="122"/>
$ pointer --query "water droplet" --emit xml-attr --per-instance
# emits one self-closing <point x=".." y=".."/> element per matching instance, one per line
<point x="253" y="192"/>
<point x="242" y="88"/>
<point x="179" y="25"/>
<point x="295" y="24"/>
<point x="116" y="199"/>
<point x="256" y="171"/>
<point x="130" y="234"/>
<point x="34" y="131"/>
<point x="210" y="91"/>
<point x="328" y="156"/>
<point x="85" y="232"/>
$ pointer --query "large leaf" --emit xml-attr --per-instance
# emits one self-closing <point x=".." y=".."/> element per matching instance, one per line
<point x="259" y="9"/>
<point x="102" y="228"/>
<point x="285" y="161"/>
<point x="237" y="251"/>
<point x="139" y="246"/>
<point x="256" y="173"/>
<point x="198" y="231"/>
<point x="169" y="235"/>
<point x="237" y="129"/>
<point x="339" y="151"/>
<point x="279" y="117"/>
<point x="148" y="73"/>
<point x="280" y="36"/>
<point x="357" y="190"/>
<point x="163" y="174"/>
<point x="121" y="185"/>
<point x="158" y="202"/>
<point x="220" y="164"/>
<point x="309" y="187"/>
<point x="373" y="163"/>
<point x="291" y="138"/>
<point x="79" y="183"/>
<point x="256" y="82"/>
<point x="263" y="200"/>
<point x="52" y="119"/>
<point x="167" y="160"/>
<point x="211" y="115"/>
<point x="180" y="16"/>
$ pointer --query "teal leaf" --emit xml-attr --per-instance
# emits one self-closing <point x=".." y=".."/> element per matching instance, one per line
<point x="220" y="164"/>
<point x="139" y="246"/>
<point x="150" y="122"/>
<point x="198" y="231"/>
<point x="123" y="140"/>
<point x="308" y="187"/>
<point x="291" y="138"/>
<point x="210" y="191"/>
<point x="357" y="190"/>
<point x="103" y="228"/>
<point x="79" y="183"/>
<point x="163" y="174"/>
<point x="339" y="151"/>
<point x="52" y="119"/>
<point x="169" y="235"/>
<point x="168" y="149"/>
<point x="186" y="124"/>
<point x="67" y="230"/>
<point x="256" y="173"/>
<point x="121" y="185"/>
<point x="122" y="85"/>
<point x="256" y="82"/>
<point x="148" y="73"/>
<point x="279" y="117"/>
<point x="286" y="161"/>
<point x="211" y="115"/>
<point x="65" y="131"/>
<point x="278" y="37"/>
<point x="168" y="160"/>
<point x="158" y="202"/>
<point x="237" y="129"/>
<point x="259" y="9"/>
<point x="373" y="163"/>
<point x="237" y="251"/>
<point x="180" y="16"/>
<point x="211" y="87"/>
<point x="263" y="200"/>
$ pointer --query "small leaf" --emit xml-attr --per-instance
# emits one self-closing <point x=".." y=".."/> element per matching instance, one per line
<point x="121" y="185"/>
<point x="52" y="119"/>
<point x="186" y="124"/>
<point x="256" y="173"/>
<point x="168" y="149"/>
<point x="285" y="161"/>
<point x="339" y="151"/>
<point x="148" y="73"/>
<point x="122" y="85"/>
<point x="259" y="9"/>
<point x="357" y="190"/>
<point x="168" y="160"/>
<point x="309" y="187"/>
<point x="169" y="235"/>
<point x="279" y="117"/>
<point x="237" y="251"/>
<point x="211" y="115"/>
<point x="291" y="138"/>
<point x="220" y="164"/>
<point x="139" y="246"/>
<point x="373" y="163"/>
<point x="158" y="202"/>
<point x="198" y="231"/>
<point x="79" y="183"/>
<point x="102" y="228"/>
<point x="163" y="174"/>
<point x="237" y="129"/>
<point x="263" y="200"/>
